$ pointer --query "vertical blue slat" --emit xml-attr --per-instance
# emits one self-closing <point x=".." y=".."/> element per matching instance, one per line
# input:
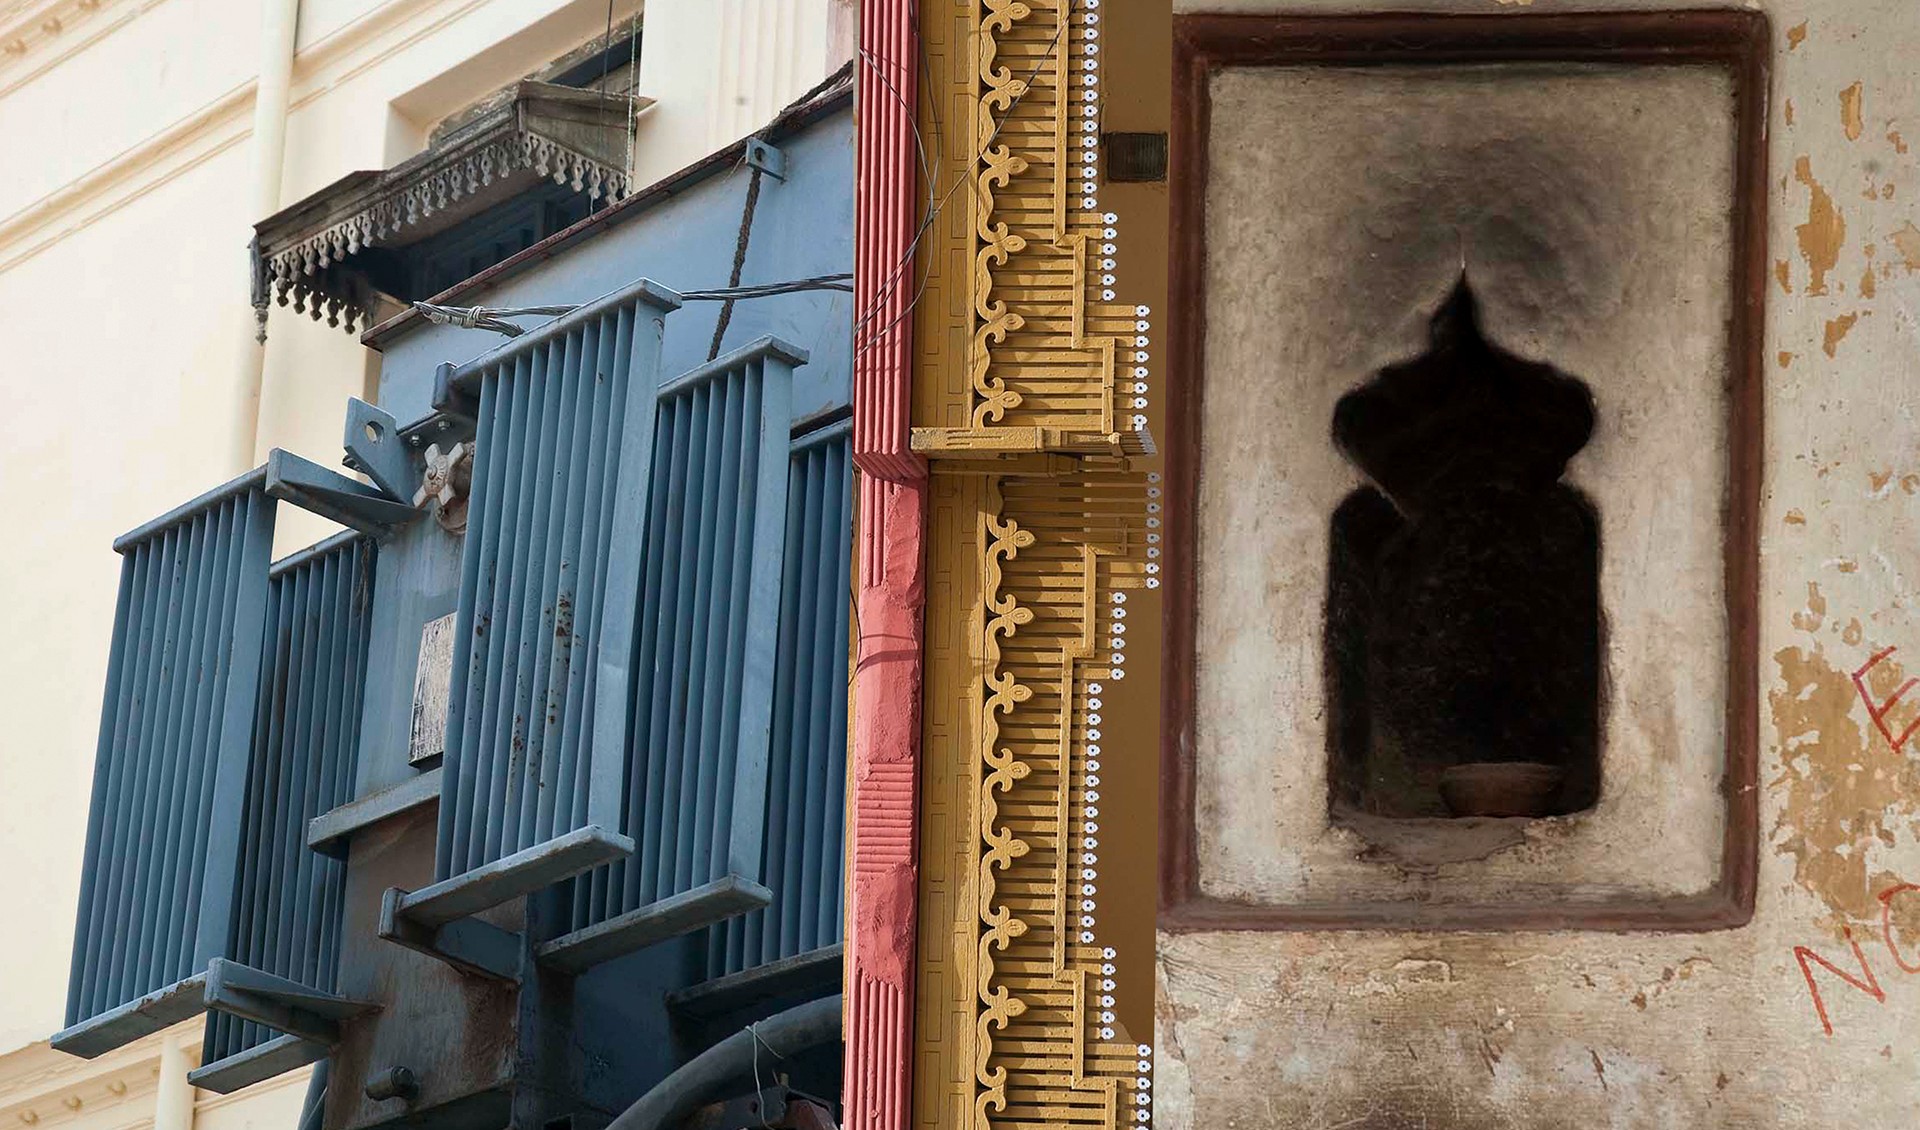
<point x="147" y="754"/>
<point x="187" y="726"/>
<point x="104" y="936"/>
<point x="106" y="765"/>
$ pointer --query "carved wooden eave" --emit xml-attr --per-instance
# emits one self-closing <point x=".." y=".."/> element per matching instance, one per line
<point x="558" y="133"/>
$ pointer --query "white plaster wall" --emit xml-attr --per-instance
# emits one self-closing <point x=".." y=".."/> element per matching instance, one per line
<point x="123" y="306"/>
<point x="1591" y="204"/>
<point x="742" y="56"/>
<point x="1382" y="1030"/>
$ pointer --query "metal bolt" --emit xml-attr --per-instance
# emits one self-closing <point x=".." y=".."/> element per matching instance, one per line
<point x="397" y="1082"/>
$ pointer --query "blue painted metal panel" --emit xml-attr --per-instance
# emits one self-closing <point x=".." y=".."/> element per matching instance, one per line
<point x="705" y="634"/>
<point x="286" y="916"/>
<point x="805" y="811"/>
<point x="175" y="730"/>
<point x="561" y="450"/>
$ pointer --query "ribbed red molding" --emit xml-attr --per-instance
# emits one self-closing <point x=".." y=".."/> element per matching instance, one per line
<point x="883" y="231"/>
<point x="882" y="899"/>
<point x="882" y="902"/>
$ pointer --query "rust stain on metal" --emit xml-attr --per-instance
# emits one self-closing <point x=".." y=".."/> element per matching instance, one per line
<point x="1850" y="116"/>
<point x="1842" y="791"/>
<point x="1837" y="330"/>
<point x="1823" y="233"/>
<point x="1796" y="35"/>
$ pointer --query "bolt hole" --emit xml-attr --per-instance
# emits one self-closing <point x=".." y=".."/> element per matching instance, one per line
<point x="375" y="433"/>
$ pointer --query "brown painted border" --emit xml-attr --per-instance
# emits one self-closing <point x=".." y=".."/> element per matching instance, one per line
<point x="1737" y="40"/>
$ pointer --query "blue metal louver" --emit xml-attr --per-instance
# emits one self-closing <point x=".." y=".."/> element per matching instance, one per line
<point x="286" y="917"/>
<point x="704" y="643"/>
<point x="182" y="676"/>
<point x="159" y="917"/>
<point x="530" y="791"/>
<point x="805" y="810"/>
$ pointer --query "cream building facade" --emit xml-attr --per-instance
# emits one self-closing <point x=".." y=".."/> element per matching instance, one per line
<point x="142" y="141"/>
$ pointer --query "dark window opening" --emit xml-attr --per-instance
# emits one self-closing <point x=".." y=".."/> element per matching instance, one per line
<point x="424" y="269"/>
<point x="1463" y="622"/>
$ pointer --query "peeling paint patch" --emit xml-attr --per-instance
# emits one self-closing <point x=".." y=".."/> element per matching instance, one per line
<point x="1837" y="330"/>
<point x="1781" y="271"/>
<point x="1786" y="359"/>
<point x="1825" y="230"/>
<point x="1853" y="633"/>
<point x="1899" y="143"/>
<point x="1789" y="111"/>
<point x="1867" y="286"/>
<point x="1850" y="116"/>
<point x="1796" y="35"/>
<point x="1843" y="793"/>
<point x="1815" y="613"/>
<point x="1907" y="242"/>
<point x="1795" y="518"/>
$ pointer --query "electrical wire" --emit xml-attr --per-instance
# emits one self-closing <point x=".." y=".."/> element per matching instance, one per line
<point x="494" y="318"/>
<point x="486" y="317"/>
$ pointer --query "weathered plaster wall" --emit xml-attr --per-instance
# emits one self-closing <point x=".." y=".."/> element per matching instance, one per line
<point x="1744" y="1028"/>
<point x="1590" y="203"/>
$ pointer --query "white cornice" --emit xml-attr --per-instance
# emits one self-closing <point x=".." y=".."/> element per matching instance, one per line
<point x="216" y="126"/>
<point x="38" y="35"/>
<point x="42" y="1089"/>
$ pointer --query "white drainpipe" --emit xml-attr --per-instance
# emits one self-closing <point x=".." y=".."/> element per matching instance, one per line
<point x="279" y="19"/>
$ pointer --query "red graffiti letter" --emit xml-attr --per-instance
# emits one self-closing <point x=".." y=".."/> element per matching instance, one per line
<point x="1886" y="923"/>
<point x="1879" y="712"/>
<point x="1869" y="986"/>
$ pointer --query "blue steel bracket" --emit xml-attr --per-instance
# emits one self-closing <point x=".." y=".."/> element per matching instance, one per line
<point x="450" y="401"/>
<point x="375" y="447"/>
<point x="522" y="873"/>
<point x="162" y="1008"/>
<point x="330" y="832"/>
<point x="468" y="944"/>
<point x="703" y="906"/>
<point x="767" y="158"/>
<point x="278" y="1003"/>
<point x="243" y="1069"/>
<point x="330" y="494"/>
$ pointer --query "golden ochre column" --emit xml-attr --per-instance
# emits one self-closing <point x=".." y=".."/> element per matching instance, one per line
<point x="1030" y="403"/>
